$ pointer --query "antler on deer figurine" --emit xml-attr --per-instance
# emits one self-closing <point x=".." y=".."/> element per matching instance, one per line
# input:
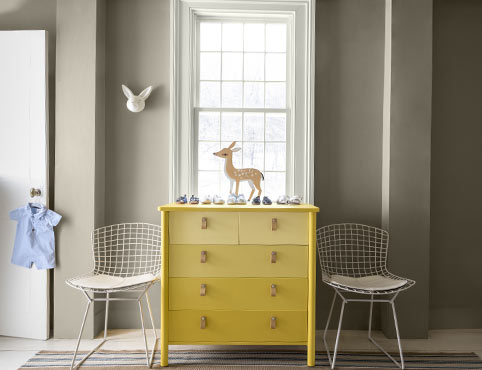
<point x="251" y="175"/>
<point x="137" y="103"/>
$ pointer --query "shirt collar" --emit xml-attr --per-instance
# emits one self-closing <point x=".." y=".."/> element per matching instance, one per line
<point x="41" y="207"/>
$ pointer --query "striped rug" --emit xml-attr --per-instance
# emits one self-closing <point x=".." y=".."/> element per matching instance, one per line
<point x="256" y="360"/>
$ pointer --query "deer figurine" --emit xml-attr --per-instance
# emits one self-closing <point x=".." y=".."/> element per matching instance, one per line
<point x="251" y="175"/>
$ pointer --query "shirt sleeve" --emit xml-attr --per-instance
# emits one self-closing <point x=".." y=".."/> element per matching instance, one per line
<point x="16" y="214"/>
<point x="54" y="217"/>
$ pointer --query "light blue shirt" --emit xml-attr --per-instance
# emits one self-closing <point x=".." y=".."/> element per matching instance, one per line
<point x="35" y="240"/>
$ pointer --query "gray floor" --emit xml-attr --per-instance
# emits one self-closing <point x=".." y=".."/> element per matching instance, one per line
<point x="15" y="351"/>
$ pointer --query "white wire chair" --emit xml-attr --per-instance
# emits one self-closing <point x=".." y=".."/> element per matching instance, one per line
<point x="127" y="258"/>
<point x="353" y="258"/>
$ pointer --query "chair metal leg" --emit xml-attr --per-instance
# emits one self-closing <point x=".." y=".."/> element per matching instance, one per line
<point x="144" y="331"/>
<point x="106" y="315"/>
<point x="153" y="328"/>
<point x="326" y="328"/>
<point x="335" y="350"/>
<point x="402" y="364"/>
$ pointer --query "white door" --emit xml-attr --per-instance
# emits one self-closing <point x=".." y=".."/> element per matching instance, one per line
<point x="24" y="293"/>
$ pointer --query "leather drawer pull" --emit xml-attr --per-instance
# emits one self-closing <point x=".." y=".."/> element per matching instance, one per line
<point x="273" y="290"/>
<point x="204" y="223"/>
<point x="203" y="322"/>
<point x="274" y="255"/>
<point x="274" y="224"/>
<point x="203" y="290"/>
<point x="273" y="323"/>
<point x="204" y="256"/>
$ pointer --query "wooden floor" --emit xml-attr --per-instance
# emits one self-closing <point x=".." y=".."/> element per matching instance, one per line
<point x="15" y="351"/>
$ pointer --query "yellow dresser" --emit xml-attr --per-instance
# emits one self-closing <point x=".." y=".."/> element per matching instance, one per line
<point x="238" y="275"/>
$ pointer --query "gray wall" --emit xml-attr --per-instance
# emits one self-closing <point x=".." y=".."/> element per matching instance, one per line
<point x="456" y="248"/>
<point x="348" y="123"/>
<point x="137" y="145"/>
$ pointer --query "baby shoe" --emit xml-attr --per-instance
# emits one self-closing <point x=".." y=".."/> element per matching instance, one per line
<point x="283" y="199"/>
<point x="267" y="201"/>
<point x="217" y="199"/>
<point x="194" y="200"/>
<point x="240" y="199"/>
<point x="232" y="198"/>
<point x="295" y="200"/>
<point x="256" y="201"/>
<point x="182" y="199"/>
<point x="206" y="199"/>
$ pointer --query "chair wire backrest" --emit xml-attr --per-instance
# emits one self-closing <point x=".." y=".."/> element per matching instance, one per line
<point x="352" y="250"/>
<point x="126" y="250"/>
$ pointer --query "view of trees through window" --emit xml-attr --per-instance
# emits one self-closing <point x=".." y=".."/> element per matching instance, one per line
<point x="242" y="89"/>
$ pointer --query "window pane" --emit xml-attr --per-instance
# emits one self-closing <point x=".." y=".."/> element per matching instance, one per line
<point x="275" y="95"/>
<point x="232" y="37"/>
<point x="254" y="37"/>
<point x="254" y="66"/>
<point x="274" y="184"/>
<point x="253" y="155"/>
<point x="232" y="94"/>
<point x="209" y="126"/>
<point x="208" y="182"/>
<point x="253" y="94"/>
<point x="232" y="66"/>
<point x="209" y="94"/>
<point x="276" y="67"/>
<point x="275" y="157"/>
<point x="253" y="127"/>
<point x="276" y="37"/>
<point x="206" y="159"/>
<point x="210" y="36"/>
<point x="231" y="127"/>
<point x="275" y="127"/>
<point x="210" y="66"/>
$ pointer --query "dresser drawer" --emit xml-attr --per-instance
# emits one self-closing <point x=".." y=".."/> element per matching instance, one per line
<point x="237" y="327"/>
<point x="238" y="294"/>
<point x="273" y="228"/>
<point x="203" y="228"/>
<point x="238" y="261"/>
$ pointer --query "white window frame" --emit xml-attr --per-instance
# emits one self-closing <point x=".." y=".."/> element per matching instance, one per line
<point x="300" y="120"/>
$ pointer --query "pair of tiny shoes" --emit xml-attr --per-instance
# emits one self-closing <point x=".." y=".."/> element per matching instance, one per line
<point x="256" y="201"/>
<point x="182" y="199"/>
<point x="267" y="201"/>
<point x="206" y="199"/>
<point x="194" y="200"/>
<point x="234" y="199"/>
<point x="217" y="199"/>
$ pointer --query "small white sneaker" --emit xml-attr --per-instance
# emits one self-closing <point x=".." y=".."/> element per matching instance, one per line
<point x="295" y="200"/>
<point x="283" y="199"/>
<point x="241" y="199"/>
<point x="206" y="199"/>
<point x="232" y="199"/>
<point x="217" y="199"/>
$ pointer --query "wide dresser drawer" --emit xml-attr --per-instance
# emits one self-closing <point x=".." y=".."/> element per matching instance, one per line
<point x="238" y="294"/>
<point x="238" y="261"/>
<point x="221" y="327"/>
<point x="273" y="228"/>
<point x="203" y="228"/>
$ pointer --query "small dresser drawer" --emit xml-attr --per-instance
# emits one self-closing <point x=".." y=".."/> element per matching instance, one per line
<point x="273" y="228"/>
<point x="238" y="294"/>
<point x="222" y="327"/>
<point x="203" y="228"/>
<point x="238" y="261"/>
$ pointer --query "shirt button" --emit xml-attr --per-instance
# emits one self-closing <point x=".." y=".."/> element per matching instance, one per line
<point x="33" y="230"/>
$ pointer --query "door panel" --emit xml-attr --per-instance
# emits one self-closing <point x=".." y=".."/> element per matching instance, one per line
<point x="24" y="295"/>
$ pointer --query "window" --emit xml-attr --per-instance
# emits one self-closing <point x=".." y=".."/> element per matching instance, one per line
<point x="242" y="71"/>
<point x="242" y="95"/>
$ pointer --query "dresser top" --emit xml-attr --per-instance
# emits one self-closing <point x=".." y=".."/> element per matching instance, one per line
<point x="238" y="208"/>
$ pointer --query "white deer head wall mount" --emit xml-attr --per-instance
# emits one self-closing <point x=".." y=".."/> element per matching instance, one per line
<point x="137" y="103"/>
